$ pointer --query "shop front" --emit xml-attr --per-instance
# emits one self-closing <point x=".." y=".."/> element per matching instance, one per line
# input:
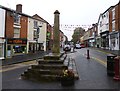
<point x="16" y="46"/>
<point x="114" y="41"/>
<point x="105" y="40"/>
<point x="34" y="47"/>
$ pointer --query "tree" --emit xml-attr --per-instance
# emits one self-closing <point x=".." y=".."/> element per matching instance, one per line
<point x="78" y="33"/>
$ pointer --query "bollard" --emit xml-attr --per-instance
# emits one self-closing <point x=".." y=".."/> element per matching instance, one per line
<point x="117" y="76"/>
<point x="65" y="52"/>
<point x="88" y="56"/>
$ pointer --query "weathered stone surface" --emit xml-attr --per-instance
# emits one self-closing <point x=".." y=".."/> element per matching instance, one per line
<point x="46" y="70"/>
<point x="56" y="33"/>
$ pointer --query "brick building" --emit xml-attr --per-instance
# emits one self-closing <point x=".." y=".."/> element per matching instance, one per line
<point x="15" y="32"/>
<point x="114" y="27"/>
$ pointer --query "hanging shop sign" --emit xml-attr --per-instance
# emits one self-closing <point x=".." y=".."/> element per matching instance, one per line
<point x="16" y="41"/>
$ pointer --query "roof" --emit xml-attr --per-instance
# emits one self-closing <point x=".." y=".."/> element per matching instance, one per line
<point x="36" y="16"/>
<point x="105" y="12"/>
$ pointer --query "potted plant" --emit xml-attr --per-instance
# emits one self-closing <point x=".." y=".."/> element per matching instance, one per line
<point x="67" y="78"/>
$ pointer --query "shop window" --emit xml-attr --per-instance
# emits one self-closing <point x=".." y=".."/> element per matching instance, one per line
<point x="1" y="50"/>
<point x="8" y="47"/>
<point x="19" y="49"/>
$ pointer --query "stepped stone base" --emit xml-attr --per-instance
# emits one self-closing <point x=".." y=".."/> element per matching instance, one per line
<point x="50" y="68"/>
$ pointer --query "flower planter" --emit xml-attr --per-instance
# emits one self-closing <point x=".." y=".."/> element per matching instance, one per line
<point x="67" y="81"/>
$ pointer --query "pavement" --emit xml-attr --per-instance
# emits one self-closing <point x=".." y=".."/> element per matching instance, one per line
<point x="23" y="58"/>
<point x="114" y="52"/>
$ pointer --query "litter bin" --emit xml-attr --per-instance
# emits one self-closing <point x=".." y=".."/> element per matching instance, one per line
<point x="110" y="64"/>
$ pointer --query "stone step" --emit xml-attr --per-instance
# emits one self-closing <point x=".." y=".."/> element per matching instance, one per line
<point x="46" y="71"/>
<point x="40" y="77"/>
<point x="41" y="61"/>
<point x="49" y="66"/>
<point x="51" y="77"/>
<point x="52" y="57"/>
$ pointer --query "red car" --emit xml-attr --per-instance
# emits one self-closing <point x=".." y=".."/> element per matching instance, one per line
<point x="82" y="45"/>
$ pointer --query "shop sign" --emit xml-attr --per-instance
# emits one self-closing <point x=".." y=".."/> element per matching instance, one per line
<point x="16" y="41"/>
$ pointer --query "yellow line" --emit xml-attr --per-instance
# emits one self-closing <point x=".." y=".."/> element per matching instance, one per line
<point x="102" y="51"/>
<point x="15" y="66"/>
<point x="8" y="69"/>
<point x="100" y="61"/>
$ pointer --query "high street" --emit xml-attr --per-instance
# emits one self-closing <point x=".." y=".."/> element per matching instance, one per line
<point x="92" y="73"/>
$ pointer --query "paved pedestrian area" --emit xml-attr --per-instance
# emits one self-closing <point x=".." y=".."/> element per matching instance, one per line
<point x="92" y="75"/>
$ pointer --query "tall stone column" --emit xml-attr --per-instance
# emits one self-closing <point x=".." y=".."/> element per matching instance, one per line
<point x="56" y="33"/>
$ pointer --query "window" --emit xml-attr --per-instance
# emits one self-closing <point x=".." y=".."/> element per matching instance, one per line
<point x="107" y="15"/>
<point x="16" y="18"/>
<point x="19" y="49"/>
<point x="100" y="23"/>
<point x="35" y="35"/>
<point x="113" y="25"/>
<point x="107" y="26"/>
<point x="16" y="33"/>
<point x="1" y="50"/>
<point x="35" y="24"/>
<point x="113" y="14"/>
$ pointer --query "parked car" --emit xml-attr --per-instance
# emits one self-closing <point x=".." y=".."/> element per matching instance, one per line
<point x="77" y="46"/>
<point x="67" y="47"/>
<point x="82" y="45"/>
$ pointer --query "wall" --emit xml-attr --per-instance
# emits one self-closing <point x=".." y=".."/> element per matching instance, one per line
<point x="2" y="32"/>
<point x="2" y="22"/>
<point x="42" y="35"/>
<point x="24" y="26"/>
<point x="9" y="25"/>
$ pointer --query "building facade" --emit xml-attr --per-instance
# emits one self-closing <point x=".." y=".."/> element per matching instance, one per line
<point x="114" y="24"/>
<point x="34" y="31"/>
<point x="104" y="29"/>
<point x="15" y="32"/>
<point x="42" y="40"/>
<point x="2" y="32"/>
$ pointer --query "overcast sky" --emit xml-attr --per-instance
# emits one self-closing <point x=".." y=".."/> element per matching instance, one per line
<point x="72" y="12"/>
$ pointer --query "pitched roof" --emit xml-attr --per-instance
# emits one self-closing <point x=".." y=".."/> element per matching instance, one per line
<point x="36" y="16"/>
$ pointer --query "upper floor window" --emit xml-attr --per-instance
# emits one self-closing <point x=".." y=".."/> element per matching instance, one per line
<point x="35" y="24"/>
<point x="100" y="23"/>
<point x="16" y="33"/>
<point x="107" y="26"/>
<point x="35" y="35"/>
<point x="113" y="25"/>
<point x="107" y="15"/>
<point x="113" y="14"/>
<point x="16" y="18"/>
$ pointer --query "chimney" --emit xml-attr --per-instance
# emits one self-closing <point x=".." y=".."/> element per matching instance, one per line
<point x="19" y="8"/>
